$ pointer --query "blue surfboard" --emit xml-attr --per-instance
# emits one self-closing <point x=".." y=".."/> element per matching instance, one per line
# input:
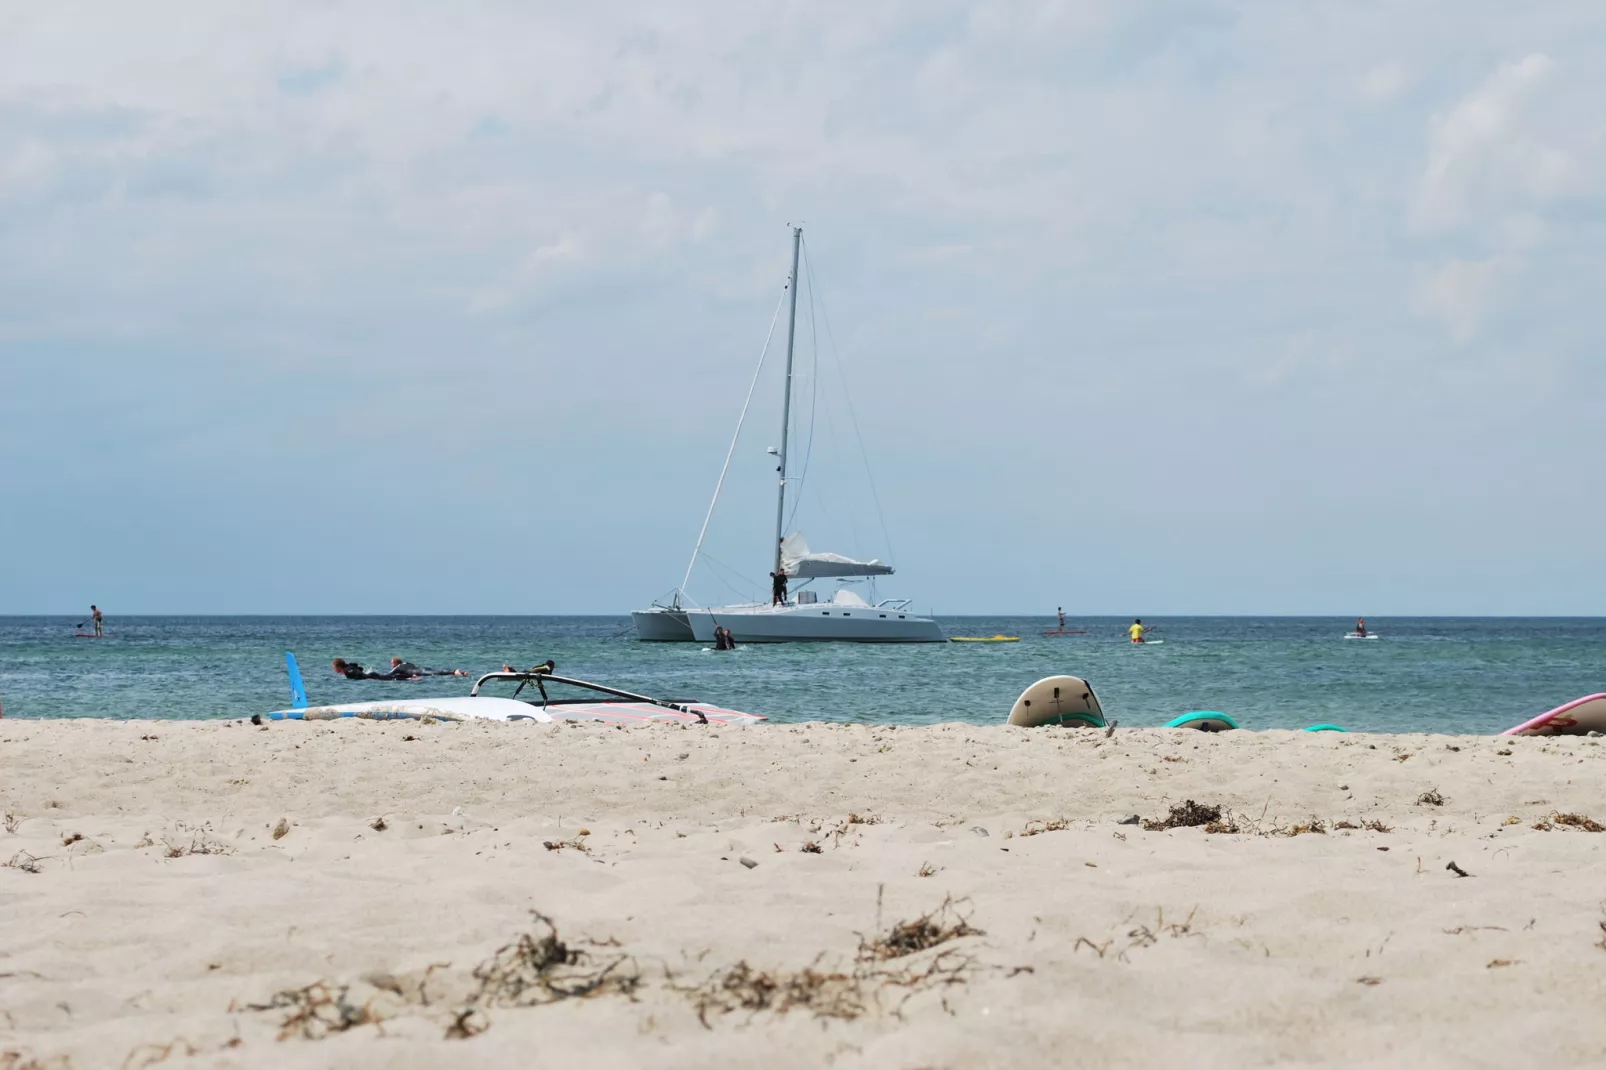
<point x="298" y="690"/>
<point x="1326" y="728"/>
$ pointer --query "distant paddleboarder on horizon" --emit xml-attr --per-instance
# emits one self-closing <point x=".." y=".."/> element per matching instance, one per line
<point x="99" y="619"/>
<point x="1136" y="631"/>
<point x="1061" y="611"/>
<point x="1360" y="627"/>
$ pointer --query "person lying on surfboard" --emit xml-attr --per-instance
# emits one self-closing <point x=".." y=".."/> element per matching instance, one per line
<point x="400" y="669"/>
<point x="352" y="671"/>
<point x="1136" y="631"/>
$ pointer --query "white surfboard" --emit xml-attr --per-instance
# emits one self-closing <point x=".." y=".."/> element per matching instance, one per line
<point x="1358" y="635"/>
<point x="1067" y="700"/>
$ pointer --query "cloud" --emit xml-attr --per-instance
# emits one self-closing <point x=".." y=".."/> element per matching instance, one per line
<point x="1382" y="82"/>
<point x="1479" y="150"/>
<point x="1458" y="294"/>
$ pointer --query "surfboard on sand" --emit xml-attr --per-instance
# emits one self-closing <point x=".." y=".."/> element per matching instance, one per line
<point x="1204" y="721"/>
<point x="1578" y="717"/>
<point x="1066" y="700"/>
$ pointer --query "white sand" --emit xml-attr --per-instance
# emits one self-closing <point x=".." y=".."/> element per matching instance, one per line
<point x="1175" y="948"/>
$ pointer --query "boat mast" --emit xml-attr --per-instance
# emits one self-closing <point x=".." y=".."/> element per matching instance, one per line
<point x="786" y="401"/>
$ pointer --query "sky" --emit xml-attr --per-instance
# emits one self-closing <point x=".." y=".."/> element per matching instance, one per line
<point x="1143" y="308"/>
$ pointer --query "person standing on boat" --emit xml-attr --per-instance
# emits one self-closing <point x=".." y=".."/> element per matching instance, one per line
<point x="99" y="619"/>
<point x="778" y="587"/>
<point x="1136" y="631"/>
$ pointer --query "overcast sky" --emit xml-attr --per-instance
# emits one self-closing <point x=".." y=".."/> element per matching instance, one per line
<point x="1148" y="308"/>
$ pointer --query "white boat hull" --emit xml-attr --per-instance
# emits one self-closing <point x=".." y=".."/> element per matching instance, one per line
<point x="660" y="625"/>
<point x="825" y="622"/>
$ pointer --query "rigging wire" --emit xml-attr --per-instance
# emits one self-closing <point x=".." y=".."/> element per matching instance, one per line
<point x="814" y="408"/>
<point x="698" y="549"/>
<point x="719" y="566"/>
<point x="864" y="456"/>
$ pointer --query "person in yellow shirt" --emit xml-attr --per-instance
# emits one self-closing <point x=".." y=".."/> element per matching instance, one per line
<point x="1136" y="631"/>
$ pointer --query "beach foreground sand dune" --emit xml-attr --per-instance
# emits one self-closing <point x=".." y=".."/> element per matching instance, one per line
<point x="421" y="895"/>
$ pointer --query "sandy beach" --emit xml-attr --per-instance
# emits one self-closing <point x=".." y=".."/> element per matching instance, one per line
<point x="420" y="895"/>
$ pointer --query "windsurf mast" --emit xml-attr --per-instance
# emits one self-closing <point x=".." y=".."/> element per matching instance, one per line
<point x="786" y="401"/>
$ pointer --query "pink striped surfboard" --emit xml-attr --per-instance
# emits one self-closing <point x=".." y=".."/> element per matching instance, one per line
<point x="1576" y="718"/>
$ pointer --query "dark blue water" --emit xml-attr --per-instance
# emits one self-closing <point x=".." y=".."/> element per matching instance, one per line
<point x="1423" y="674"/>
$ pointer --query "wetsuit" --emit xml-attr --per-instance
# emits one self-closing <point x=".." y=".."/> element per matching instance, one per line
<point x="353" y="671"/>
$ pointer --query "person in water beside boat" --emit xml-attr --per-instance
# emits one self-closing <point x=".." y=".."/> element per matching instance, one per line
<point x="723" y="640"/>
<point x="1136" y="631"/>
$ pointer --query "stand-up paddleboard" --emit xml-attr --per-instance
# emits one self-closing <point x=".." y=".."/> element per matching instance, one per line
<point x="1358" y="635"/>
<point x="1067" y="700"/>
<point x="1066" y="631"/>
<point x="1147" y="642"/>
<point x="984" y="639"/>
<point x="91" y="635"/>
<point x="1204" y="721"/>
<point x="1326" y="728"/>
<point x="1578" y="717"/>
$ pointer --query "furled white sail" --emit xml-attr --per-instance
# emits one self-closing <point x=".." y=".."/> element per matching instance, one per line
<point x="798" y="562"/>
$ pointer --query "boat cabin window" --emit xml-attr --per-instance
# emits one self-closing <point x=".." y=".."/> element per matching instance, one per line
<point x="807" y="598"/>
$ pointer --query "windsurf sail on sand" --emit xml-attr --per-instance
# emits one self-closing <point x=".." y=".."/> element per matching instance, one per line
<point x="539" y="696"/>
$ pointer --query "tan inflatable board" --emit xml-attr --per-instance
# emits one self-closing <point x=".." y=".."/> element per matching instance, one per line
<point x="1067" y="700"/>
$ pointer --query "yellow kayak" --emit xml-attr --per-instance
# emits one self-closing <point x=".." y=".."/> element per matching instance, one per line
<point x="984" y="639"/>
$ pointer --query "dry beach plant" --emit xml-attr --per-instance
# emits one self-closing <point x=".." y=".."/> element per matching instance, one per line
<point x="539" y="967"/>
<point x="1185" y="815"/>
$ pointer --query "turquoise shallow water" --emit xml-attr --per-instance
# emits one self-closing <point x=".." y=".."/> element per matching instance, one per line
<point x="1422" y="675"/>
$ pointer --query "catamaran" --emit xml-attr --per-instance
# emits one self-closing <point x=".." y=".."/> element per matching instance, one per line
<point x="802" y="616"/>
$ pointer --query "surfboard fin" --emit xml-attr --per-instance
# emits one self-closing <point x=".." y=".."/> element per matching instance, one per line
<point x="298" y="690"/>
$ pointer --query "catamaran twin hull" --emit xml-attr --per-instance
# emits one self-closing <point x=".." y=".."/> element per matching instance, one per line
<point x="662" y="625"/>
<point x="826" y="622"/>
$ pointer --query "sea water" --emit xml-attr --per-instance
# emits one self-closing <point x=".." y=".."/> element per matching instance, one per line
<point x="1420" y="675"/>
